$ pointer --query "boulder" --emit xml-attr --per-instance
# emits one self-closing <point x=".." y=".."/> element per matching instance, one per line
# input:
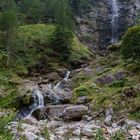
<point x="30" y="136"/>
<point x="75" y="112"/>
<point x="49" y="111"/>
<point x="53" y="76"/>
<point x="107" y="79"/>
<point x="40" y="113"/>
<point x="120" y="75"/>
<point x="107" y="120"/>
<point x="82" y="100"/>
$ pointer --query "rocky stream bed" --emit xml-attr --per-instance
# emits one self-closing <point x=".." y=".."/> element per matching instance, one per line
<point x="51" y="116"/>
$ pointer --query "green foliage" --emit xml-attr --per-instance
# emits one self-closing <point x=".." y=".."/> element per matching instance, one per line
<point x="62" y="42"/>
<point x="81" y="91"/>
<point x="33" y="10"/>
<point x="4" y="120"/>
<point x="131" y="43"/>
<point x="99" y="135"/>
<point x="119" y="135"/>
<point x="79" y="6"/>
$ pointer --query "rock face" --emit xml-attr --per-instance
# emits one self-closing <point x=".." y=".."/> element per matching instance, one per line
<point x="94" y="26"/>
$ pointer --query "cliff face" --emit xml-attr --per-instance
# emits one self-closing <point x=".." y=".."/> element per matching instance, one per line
<point x="94" y="26"/>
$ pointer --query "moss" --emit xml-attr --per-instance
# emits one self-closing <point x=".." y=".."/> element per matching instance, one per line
<point x="79" y="51"/>
<point x="81" y="91"/>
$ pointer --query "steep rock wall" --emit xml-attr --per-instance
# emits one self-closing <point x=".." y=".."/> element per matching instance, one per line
<point x="94" y="26"/>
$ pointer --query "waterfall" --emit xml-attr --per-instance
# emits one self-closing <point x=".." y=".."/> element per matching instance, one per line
<point x="58" y="85"/>
<point x="38" y="98"/>
<point x="114" y="21"/>
<point x="67" y="75"/>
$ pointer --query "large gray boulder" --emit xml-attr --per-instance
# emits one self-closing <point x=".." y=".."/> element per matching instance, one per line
<point x="75" y="112"/>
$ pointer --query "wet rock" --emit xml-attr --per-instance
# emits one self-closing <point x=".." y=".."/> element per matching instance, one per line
<point x="75" y="112"/>
<point x="120" y="75"/>
<point x="107" y="79"/>
<point x="40" y="113"/>
<point x="30" y="136"/>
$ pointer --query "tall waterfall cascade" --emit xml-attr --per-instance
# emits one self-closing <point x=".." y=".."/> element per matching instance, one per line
<point x="114" y="20"/>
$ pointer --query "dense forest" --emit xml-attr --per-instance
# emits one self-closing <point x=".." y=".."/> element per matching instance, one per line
<point x="69" y="70"/>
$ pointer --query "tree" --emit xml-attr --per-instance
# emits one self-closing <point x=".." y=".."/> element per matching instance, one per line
<point x="62" y="41"/>
<point x="33" y="10"/>
<point x="8" y="24"/>
<point x="61" y="13"/>
<point x="131" y="43"/>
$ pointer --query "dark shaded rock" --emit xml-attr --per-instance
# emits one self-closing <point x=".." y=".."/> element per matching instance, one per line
<point x="40" y="113"/>
<point x="53" y="76"/>
<point x="120" y="75"/>
<point x="75" y="112"/>
<point x="130" y="92"/>
<point x="107" y="79"/>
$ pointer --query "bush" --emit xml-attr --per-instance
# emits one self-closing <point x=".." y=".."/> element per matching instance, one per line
<point x="62" y="42"/>
<point x="131" y="43"/>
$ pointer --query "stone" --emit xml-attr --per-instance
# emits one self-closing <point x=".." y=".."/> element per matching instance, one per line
<point x="74" y="138"/>
<point x="82" y="100"/>
<point x="54" y="124"/>
<point x="30" y="128"/>
<point x="120" y="75"/>
<point x="30" y="120"/>
<point x="30" y="136"/>
<point x="107" y="79"/>
<point x="114" y="125"/>
<point x="134" y="131"/>
<point x="53" y="76"/>
<point x="109" y="112"/>
<point x="77" y="132"/>
<point x="107" y="120"/>
<point x="87" y="118"/>
<point x="75" y="112"/>
<point x="87" y="132"/>
<point x="40" y="113"/>
<point x="132" y="123"/>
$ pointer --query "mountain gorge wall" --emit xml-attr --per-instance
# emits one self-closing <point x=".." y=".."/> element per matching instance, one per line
<point x="94" y="26"/>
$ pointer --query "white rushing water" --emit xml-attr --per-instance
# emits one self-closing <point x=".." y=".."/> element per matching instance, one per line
<point x="38" y="98"/>
<point x="58" y="85"/>
<point x="114" y="21"/>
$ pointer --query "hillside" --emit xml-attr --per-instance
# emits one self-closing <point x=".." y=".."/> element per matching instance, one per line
<point x="69" y="70"/>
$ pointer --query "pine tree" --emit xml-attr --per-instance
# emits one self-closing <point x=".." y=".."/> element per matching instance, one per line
<point x="8" y="24"/>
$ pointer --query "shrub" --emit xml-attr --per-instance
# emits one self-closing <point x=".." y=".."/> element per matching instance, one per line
<point x="131" y="43"/>
<point x="62" y="41"/>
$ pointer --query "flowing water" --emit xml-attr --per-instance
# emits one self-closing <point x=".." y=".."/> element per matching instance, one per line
<point x="58" y="85"/>
<point x="38" y="97"/>
<point x="115" y="20"/>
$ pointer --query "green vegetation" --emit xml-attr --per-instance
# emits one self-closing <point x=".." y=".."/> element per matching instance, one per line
<point x="131" y="43"/>
<point x="4" y="120"/>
